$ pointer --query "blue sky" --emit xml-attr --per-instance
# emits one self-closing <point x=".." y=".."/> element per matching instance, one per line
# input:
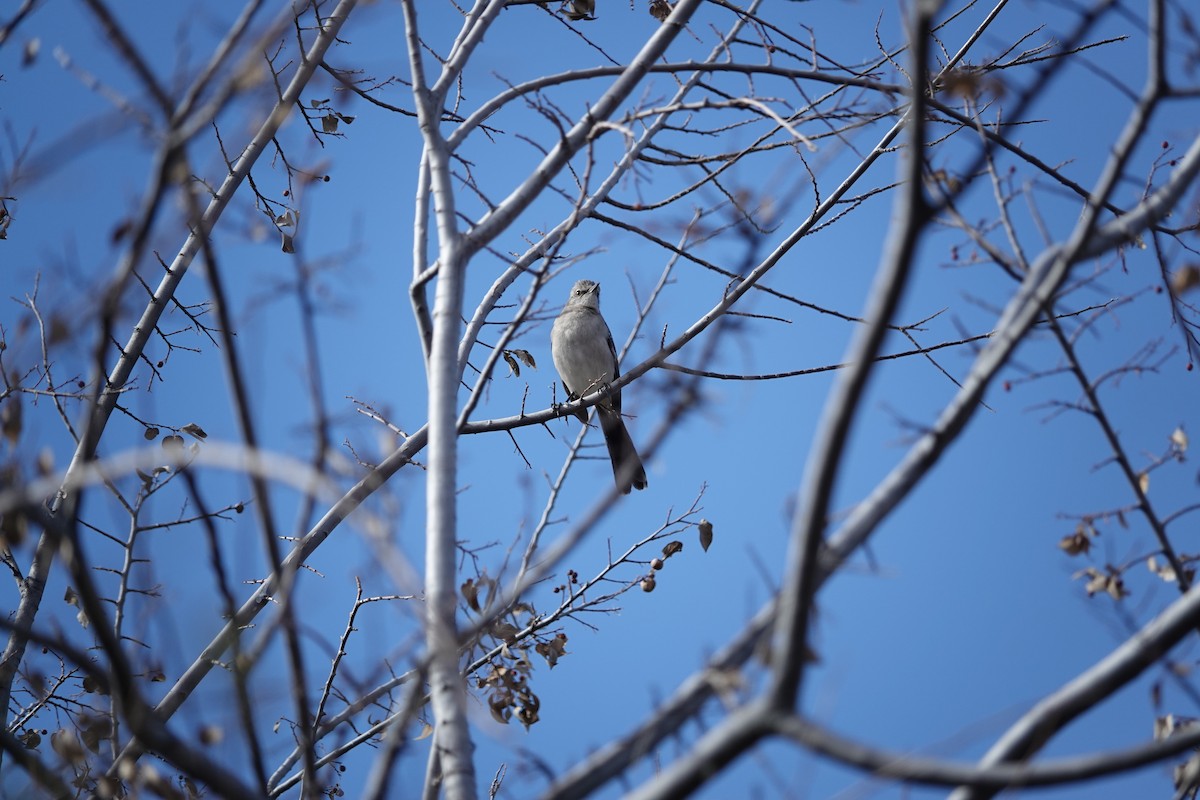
<point x="965" y="612"/>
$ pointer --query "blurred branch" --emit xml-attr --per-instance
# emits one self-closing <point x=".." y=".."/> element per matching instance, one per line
<point x="912" y="214"/>
<point x="22" y="13"/>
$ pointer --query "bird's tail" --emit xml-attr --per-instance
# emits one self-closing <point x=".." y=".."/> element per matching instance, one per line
<point x="626" y="464"/>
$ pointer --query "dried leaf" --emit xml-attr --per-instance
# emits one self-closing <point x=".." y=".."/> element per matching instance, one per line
<point x="195" y="431"/>
<point x="500" y="704"/>
<point x="552" y="650"/>
<point x="528" y="712"/>
<point x="1188" y="773"/>
<point x="1144" y="482"/>
<point x="1075" y="543"/>
<point x="526" y="358"/>
<point x="1163" y="727"/>
<point x="671" y="548"/>
<point x="1164" y="570"/>
<point x="13" y="529"/>
<point x="470" y="593"/>
<point x="30" y="53"/>
<point x="66" y="744"/>
<point x="150" y="434"/>
<point x="329" y="123"/>
<point x="45" y="462"/>
<point x="426" y="732"/>
<point x="94" y="731"/>
<point x="1179" y="440"/>
<point x="576" y="10"/>
<point x="504" y="630"/>
<point x="11" y="419"/>
<point x="514" y="368"/>
<point x="1109" y="582"/>
<point x="1185" y="279"/>
<point x="706" y="534"/>
<point x="93" y="686"/>
<point x="660" y="9"/>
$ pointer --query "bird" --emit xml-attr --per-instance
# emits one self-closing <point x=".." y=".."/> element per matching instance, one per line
<point x="586" y="360"/>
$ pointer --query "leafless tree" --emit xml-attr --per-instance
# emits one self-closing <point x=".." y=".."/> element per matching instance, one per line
<point x="717" y="141"/>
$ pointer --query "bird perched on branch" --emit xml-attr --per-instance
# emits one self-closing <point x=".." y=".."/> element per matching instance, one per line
<point x="586" y="360"/>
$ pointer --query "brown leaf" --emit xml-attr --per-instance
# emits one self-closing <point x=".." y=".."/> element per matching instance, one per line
<point x="500" y="704"/>
<point x="1144" y="482"/>
<point x="11" y="419"/>
<point x="66" y="744"/>
<point x="1185" y="279"/>
<point x="470" y="593"/>
<point x="30" y="53"/>
<point x="95" y="730"/>
<point x="504" y="630"/>
<point x="194" y="430"/>
<point x="552" y="650"/>
<point x="1163" y="727"/>
<point x="528" y="712"/>
<point x="526" y="358"/>
<point x="13" y="529"/>
<point x="1179" y="440"/>
<point x="671" y="548"/>
<point x="580" y="9"/>
<point x="1075" y="543"/>
<point x="426" y="732"/>
<point x="513" y="367"/>
<point x="706" y="534"/>
<point x="1164" y="570"/>
<point x="91" y="686"/>
<point x="1109" y="582"/>
<point x="211" y="734"/>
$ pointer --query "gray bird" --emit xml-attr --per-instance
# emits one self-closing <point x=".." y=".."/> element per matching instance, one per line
<point x="586" y="360"/>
